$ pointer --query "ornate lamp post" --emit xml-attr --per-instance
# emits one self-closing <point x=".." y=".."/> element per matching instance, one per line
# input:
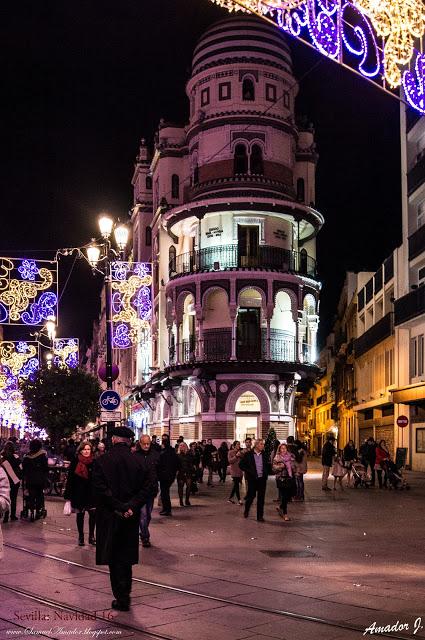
<point x="104" y="253"/>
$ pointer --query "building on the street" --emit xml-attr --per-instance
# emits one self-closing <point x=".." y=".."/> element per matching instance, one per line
<point x="225" y="210"/>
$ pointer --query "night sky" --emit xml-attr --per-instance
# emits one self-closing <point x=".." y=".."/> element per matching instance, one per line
<point x="83" y="81"/>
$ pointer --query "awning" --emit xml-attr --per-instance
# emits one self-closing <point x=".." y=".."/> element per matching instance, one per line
<point x="410" y="394"/>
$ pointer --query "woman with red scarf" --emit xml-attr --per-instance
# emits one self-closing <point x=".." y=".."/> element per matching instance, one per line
<point x="79" y="490"/>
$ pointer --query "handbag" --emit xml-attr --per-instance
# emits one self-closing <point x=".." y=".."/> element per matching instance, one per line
<point x="285" y="482"/>
<point x="67" y="509"/>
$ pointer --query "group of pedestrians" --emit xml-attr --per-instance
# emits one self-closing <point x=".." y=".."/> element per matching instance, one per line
<point x="372" y="455"/>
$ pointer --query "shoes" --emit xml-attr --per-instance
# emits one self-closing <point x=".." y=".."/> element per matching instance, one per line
<point x="260" y="520"/>
<point x="286" y="518"/>
<point x="81" y="542"/>
<point x="240" y="503"/>
<point x="181" y="503"/>
<point x="120" y="606"/>
<point x="280" y="512"/>
<point x="92" y="541"/>
<point x="245" y="514"/>
<point x="13" y="518"/>
<point x="230" y="500"/>
<point x="325" y="489"/>
<point x="146" y="544"/>
<point x="187" y="503"/>
<point x="165" y="513"/>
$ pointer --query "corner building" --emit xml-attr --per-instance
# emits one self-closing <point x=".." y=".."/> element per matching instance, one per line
<point x="232" y="226"/>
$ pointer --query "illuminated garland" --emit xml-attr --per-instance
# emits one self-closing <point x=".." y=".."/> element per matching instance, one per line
<point x="131" y="301"/>
<point x="21" y="283"/>
<point x="342" y="30"/>
<point x="65" y="351"/>
<point x="19" y="358"/>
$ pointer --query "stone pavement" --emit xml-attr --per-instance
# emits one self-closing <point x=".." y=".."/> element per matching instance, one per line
<point x="353" y="557"/>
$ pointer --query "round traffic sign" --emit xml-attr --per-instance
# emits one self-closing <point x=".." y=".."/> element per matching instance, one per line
<point x="402" y="421"/>
<point x="109" y="400"/>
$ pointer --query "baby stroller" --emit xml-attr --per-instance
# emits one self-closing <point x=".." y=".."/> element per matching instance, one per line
<point x="27" y="513"/>
<point x="359" y="475"/>
<point x="395" y="476"/>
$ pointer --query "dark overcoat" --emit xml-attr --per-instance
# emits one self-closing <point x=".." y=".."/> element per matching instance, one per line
<point x="119" y="484"/>
<point x="247" y="464"/>
<point x="167" y="467"/>
<point x="79" y="490"/>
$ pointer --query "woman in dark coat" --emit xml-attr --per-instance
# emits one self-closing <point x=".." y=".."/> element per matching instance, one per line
<point x="13" y="467"/>
<point x="35" y="471"/>
<point x="79" y="490"/>
<point x="186" y="471"/>
<point x="223" y="452"/>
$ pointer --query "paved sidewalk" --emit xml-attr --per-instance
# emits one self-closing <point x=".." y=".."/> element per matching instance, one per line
<point x="355" y="557"/>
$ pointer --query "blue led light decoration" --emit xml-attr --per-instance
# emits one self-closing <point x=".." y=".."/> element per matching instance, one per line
<point x="28" y="291"/>
<point x="131" y="301"/>
<point x="380" y="39"/>
<point x="66" y="352"/>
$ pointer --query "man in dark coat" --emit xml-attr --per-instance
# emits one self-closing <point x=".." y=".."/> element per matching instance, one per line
<point x="149" y="459"/>
<point x="256" y="468"/>
<point x="121" y="487"/>
<point x="167" y="469"/>
<point x="208" y="460"/>
<point x="328" y="454"/>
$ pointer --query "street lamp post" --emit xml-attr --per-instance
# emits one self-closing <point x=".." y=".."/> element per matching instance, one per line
<point x="104" y="253"/>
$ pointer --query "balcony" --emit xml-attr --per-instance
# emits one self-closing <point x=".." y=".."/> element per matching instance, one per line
<point x="409" y="306"/>
<point x="416" y="176"/>
<point x="373" y="336"/>
<point x="225" y="257"/>
<point x="217" y="347"/>
<point x="417" y="243"/>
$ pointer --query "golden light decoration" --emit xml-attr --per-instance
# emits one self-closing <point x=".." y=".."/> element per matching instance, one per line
<point x="65" y="351"/>
<point x="14" y="356"/>
<point x="131" y="301"/>
<point x="400" y="23"/>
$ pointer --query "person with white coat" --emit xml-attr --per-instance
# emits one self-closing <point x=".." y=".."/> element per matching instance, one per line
<point x="4" y="501"/>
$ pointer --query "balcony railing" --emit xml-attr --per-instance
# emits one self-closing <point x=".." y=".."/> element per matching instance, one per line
<point x="224" y="257"/>
<point x="409" y="306"/>
<point x="417" y="243"/>
<point x="217" y="347"/>
<point x="416" y="175"/>
<point x="373" y="336"/>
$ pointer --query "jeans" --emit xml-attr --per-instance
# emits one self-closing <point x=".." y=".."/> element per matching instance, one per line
<point x="121" y="576"/>
<point x="222" y="471"/>
<point x="379" y="473"/>
<point x="325" y="476"/>
<point x="285" y="497"/>
<point x="256" y="487"/>
<point x="35" y="498"/>
<point x="145" y="518"/>
<point x="299" y="482"/>
<point x="165" y="495"/>
<point x="210" y="474"/>
<point x="236" y="489"/>
<point x="183" y="480"/>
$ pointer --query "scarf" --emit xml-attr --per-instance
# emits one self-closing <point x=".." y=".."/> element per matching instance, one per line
<point x="82" y="466"/>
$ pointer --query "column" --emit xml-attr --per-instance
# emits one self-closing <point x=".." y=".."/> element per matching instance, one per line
<point x="268" y="346"/>
<point x="178" y="347"/>
<point x="234" y="318"/>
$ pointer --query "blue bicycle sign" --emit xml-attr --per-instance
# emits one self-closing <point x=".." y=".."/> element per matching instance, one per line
<point x="109" y="400"/>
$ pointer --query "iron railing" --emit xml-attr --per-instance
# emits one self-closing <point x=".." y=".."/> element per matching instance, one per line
<point x="230" y="256"/>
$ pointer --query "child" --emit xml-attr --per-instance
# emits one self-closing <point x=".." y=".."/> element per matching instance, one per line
<point x="338" y="470"/>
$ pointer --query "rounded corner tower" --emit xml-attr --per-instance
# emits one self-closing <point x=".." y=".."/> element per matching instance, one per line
<point x="236" y="289"/>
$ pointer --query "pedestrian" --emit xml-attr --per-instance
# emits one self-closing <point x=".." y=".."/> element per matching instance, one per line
<point x="208" y="460"/>
<point x="121" y="487"/>
<point x="149" y="459"/>
<point x="155" y="444"/>
<point x="4" y="502"/>
<point x="79" y="490"/>
<point x="100" y="450"/>
<point x="70" y="450"/>
<point x="194" y="450"/>
<point x="185" y="472"/>
<point x="167" y="469"/>
<point x="328" y="454"/>
<point x="35" y="471"/>
<point x="256" y="467"/>
<point x="180" y="439"/>
<point x="300" y="470"/>
<point x="368" y="457"/>
<point x="349" y="456"/>
<point x="284" y="469"/>
<point x="11" y="463"/>
<point x="223" y="454"/>
<point x="236" y="473"/>
<point x="338" y="470"/>
<point x="382" y="455"/>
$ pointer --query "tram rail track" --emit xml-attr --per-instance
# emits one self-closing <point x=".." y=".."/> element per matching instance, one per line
<point x="282" y="613"/>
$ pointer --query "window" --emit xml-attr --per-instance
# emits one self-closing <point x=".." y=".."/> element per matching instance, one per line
<point x="248" y="89"/>
<point x="256" y="160"/>
<point x="420" y="440"/>
<point x="301" y="189"/>
<point x="148" y="237"/>
<point x="195" y="174"/>
<point x="421" y="145"/>
<point x="224" y="91"/>
<point x="172" y="259"/>
<point x="205" y="97"/>
<point x="286" y="100"/>
<point x="148" y="182"/>
<point x="417" y="356"/>
<point x="175" y="186"/>
<point x="240" y="163"/>
<point x="421" y="276"/>
<point x="421" y="214"/>
<point x="271" y="92"/>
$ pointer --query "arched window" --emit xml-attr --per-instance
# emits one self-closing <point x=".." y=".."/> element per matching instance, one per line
<point x="300" y="189"/>
<point x="195" y="174"/>
<point x="303" y="261"/>
<point x="148" y="182"/>
<point x="240" y="164"/>
<point x="175" y="186"/>
<point x="148" y="237"/>
<point x="248" y="90"/>
<point x="172" y="259"/>
<point x="256" y="163"/>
